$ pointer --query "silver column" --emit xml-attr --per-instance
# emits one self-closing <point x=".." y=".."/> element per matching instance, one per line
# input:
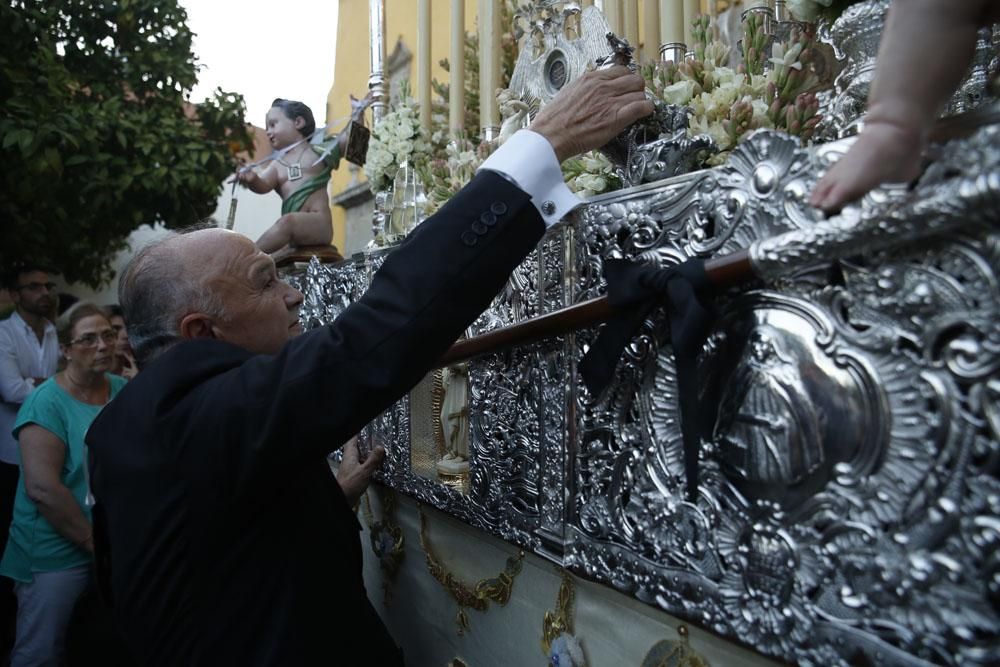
<point x="376" y="37"/>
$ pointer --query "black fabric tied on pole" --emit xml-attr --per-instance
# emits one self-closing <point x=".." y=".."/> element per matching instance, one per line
<point x="635" y="289"/>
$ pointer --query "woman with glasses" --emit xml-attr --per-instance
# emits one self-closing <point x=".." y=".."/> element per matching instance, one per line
<point x="51" y="544"/>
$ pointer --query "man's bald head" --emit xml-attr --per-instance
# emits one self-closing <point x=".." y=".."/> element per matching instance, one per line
<point x="168" y="279"/>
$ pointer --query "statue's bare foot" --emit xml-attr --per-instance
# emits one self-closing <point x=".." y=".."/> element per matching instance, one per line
<point x="884" y="153"/>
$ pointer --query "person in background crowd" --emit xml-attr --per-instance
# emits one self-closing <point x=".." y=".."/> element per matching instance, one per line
<point x="29" y="353"/>
<point x="124" y="363"/>
<point x="50" y="548"/>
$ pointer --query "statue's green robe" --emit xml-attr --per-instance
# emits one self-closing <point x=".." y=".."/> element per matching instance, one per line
<point x="293" y="202"/>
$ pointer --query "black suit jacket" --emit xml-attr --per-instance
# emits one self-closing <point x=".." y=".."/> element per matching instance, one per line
<point x="226" y="537"/>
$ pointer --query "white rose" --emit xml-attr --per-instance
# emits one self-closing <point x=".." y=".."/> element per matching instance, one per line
<point x="726" y="75"/>
<point x="404" y="148"/>
<point x="679" y="93"/>
<point x="760" y="113"/>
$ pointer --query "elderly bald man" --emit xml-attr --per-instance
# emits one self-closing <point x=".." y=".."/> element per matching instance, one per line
<point x="220" y="532"/>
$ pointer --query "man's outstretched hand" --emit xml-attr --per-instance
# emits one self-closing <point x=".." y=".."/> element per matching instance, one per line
<point x="592" y="110"/>
<point x="354" y="475"/>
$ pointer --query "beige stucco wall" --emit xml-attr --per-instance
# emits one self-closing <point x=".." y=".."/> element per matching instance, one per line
<point x="353" y="65"/>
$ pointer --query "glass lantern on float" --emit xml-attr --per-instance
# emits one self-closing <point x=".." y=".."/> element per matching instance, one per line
<point x="407" y="205"/>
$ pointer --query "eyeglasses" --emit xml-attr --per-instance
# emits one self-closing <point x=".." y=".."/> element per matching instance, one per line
<point x="90" y="340"/>
<point x="37" y="287"/>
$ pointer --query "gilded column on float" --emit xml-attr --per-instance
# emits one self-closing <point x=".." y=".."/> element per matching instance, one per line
<point x="456" y="59"/>
<point x="424" y="62"/>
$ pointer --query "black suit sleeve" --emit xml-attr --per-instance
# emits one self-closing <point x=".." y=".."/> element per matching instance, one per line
<point x="271" y="413"/>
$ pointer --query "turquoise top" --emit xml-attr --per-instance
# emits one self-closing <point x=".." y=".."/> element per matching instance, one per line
<point x="34" y="545"/>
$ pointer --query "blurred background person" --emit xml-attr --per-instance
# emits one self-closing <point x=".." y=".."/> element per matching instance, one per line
<point x="124" y="363"/>
<point x="29" y="353"/>
<point x="49" y="552"/>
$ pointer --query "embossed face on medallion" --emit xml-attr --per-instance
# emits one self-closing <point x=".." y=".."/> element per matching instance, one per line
<point x="790" y="408"/>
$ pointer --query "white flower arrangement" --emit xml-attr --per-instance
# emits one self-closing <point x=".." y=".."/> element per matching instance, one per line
<point x="398" y="137"/>
<point x="590" y="174"/>
<point x="446" y="175"/>
<point x="726" y="104"/>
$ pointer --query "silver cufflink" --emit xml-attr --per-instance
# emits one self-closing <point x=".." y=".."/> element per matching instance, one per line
<point x="548" y="207"/>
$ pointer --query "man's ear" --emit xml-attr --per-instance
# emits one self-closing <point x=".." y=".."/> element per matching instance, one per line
<point x="197" y="325"/>
<point x="299" y="122"/>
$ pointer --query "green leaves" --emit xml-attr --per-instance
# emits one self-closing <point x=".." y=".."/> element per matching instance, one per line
<point x="97" y="137"/>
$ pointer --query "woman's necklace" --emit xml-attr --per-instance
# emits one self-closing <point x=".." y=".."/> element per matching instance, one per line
<point x="294" y="170"/>
<point x="84" y="392"/>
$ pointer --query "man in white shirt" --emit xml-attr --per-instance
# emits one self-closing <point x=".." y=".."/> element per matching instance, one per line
<point x="29" y="352"/>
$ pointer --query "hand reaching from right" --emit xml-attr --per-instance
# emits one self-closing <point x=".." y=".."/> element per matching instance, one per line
<point x="885" y="152"/>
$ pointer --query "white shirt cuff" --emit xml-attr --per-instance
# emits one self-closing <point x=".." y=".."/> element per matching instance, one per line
<point x="527" y="160"/>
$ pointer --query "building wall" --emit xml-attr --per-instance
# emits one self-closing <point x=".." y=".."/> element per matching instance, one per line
<point x="353" y="66"/>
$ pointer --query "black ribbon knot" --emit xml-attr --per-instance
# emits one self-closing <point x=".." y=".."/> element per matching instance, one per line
<point x="685" y="291"/>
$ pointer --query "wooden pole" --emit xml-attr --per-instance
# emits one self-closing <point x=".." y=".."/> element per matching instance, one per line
<point x="725" y="271"/>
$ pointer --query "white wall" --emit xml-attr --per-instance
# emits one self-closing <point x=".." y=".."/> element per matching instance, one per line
<point x="254" y="214"/>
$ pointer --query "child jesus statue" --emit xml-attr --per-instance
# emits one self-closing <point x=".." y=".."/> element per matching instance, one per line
<point x="299" y="173"/>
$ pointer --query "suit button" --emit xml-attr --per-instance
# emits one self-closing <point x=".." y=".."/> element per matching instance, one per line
<point x="498" y="207"/>
<point x="469" y="239"/>
<point x="489" y="218"/>
<point x="479" y="227"/>
<point x="548" y="207"/>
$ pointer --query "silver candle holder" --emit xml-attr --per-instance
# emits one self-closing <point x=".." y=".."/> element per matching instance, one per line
<point x="781" y="13"/>
<point x="673" y="52"/>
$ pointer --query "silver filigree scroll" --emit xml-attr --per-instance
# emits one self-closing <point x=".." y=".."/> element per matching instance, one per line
<point x="849" y="505"/>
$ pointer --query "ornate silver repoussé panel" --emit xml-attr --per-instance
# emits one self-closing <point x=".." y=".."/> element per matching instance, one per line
<point x="849" y="504"/>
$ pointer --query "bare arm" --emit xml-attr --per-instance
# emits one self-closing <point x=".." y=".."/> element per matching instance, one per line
<point x="260" y="183"/>
<point x="42" y="457"/>
<point x="912" y="81"/>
